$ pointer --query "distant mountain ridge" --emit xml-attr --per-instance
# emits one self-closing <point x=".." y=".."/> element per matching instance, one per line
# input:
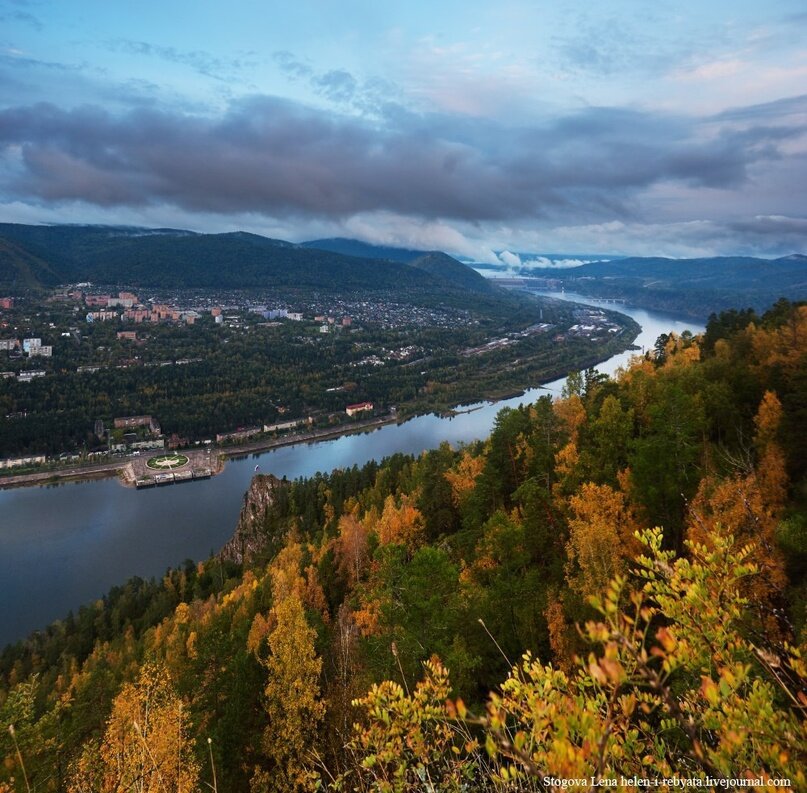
<point x="444" y="266"/>
<point x="365" y="250"/>
<point x="696" y="287"/>
<point x="44" y="256"/>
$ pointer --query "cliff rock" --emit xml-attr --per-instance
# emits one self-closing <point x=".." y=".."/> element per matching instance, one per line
<point x="252" y="533"/>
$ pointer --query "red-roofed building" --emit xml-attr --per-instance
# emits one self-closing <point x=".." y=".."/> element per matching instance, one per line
<point x="359" y="407"/>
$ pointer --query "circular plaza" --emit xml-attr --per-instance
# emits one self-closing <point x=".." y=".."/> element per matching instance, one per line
<point x="166" y="462"/>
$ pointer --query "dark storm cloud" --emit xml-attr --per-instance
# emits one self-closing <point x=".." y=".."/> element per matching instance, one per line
<point x="279" y="158"/>
<point x="765" y="225"/>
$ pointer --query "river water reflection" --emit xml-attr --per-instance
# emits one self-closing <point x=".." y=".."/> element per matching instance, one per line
<point x="61" y="546"/>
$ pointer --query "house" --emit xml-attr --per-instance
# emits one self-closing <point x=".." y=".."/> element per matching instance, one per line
<point x="359" y="407"/>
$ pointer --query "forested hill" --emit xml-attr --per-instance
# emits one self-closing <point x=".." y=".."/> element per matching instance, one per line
<point x="697" y="287"/>
<point x="436" y="263"/>
<point x="365" y="250"/>
<point x="33" y="256"/>
<point x="480" y="618"/>
<point x="443" y="266"/>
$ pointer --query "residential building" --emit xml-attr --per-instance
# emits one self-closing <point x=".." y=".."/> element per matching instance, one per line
<point x="359" y="407"/>
<point x="26" y="377"/>
<point x="238" y="435"/>
<point x="101" y="316"/>
<point x="129" y="422"/>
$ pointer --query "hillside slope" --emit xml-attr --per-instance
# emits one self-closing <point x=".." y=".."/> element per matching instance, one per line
<point x="339" y="592"/>
<point x="697" y="287"/>
<point x="174" y="258"/>
<point x="364" y="250"/>
<point x="443" y="266"/>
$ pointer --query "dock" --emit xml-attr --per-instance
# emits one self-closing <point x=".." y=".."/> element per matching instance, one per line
<point x="173" y="478"/>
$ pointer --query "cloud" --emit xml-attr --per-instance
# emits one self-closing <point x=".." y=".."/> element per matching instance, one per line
<point x="777" y="109"/>
<point x="554" y="262"/>
<point x="510" y="259"/>
<point x="761" y="235"/>
<point x="279" y="158"/>
<point x="23" y="17"/>
<point x="291" y="66"/>
<point x="200" y="61"/>
<point x="713" y="70"/>
<point x="338" y="86"/>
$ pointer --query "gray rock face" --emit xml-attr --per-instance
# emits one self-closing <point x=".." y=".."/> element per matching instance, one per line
<point x="250" y="536"/>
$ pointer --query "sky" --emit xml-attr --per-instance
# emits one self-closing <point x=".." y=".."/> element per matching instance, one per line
<point x="623" y="126"/>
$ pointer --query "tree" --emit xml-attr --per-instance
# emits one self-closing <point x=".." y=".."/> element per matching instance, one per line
<point x="601" y="528"/>
<point x="671" y="690"/>
<point x="145" y="746"/>
<point x="292" y="701"/>
<point x="700" y="701"/>
<point x="408" y="742"/>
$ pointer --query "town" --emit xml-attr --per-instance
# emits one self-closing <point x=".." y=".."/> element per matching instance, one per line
<point x="214" y="369"/>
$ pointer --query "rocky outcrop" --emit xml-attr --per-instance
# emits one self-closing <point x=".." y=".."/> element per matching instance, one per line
<point x="251" y="535"/>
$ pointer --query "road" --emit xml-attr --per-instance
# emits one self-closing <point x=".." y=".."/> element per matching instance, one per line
<point x="115" y="467"/>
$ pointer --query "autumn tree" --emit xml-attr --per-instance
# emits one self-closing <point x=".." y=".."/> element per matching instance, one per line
<point x="407" y="743"/>
<point x="601" y="529"/>
<point x="146" y="747"/>
<point x="771" y="467"/>
<point x="292" y="702"/>
<point x="674" y="688"/>
<point x="400" y="523"/>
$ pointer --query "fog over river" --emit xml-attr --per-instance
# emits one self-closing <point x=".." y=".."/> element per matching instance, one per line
<point x="65" y="545"/>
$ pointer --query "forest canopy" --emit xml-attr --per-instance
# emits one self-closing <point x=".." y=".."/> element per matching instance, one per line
<point x="612" y="584"/>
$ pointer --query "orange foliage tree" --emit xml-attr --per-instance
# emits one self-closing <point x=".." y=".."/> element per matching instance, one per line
<point x="145" y="747"/>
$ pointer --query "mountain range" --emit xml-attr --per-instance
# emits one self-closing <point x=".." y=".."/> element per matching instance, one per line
<point x="696" y="287"/>
<point x="34" y="257"/>
<point x="45" y="256"/>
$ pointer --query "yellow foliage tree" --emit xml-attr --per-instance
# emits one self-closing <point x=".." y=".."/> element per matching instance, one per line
<point x="771" y="470"/>
<point x="401" y="524"/>
<point x="293" y="703"/>
<point x="735" y="507"/>
<point x="145" y="747"/>
<point x="601" y="537"/>
<point x="462" y="477"/>
<point x="351" y="548"/>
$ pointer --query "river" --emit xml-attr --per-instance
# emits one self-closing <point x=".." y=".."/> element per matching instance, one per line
<point x="65" y="545"/>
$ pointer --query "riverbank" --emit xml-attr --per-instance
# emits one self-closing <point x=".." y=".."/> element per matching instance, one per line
<point x="61" y="547"/>
<point x="128" y="469"/>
